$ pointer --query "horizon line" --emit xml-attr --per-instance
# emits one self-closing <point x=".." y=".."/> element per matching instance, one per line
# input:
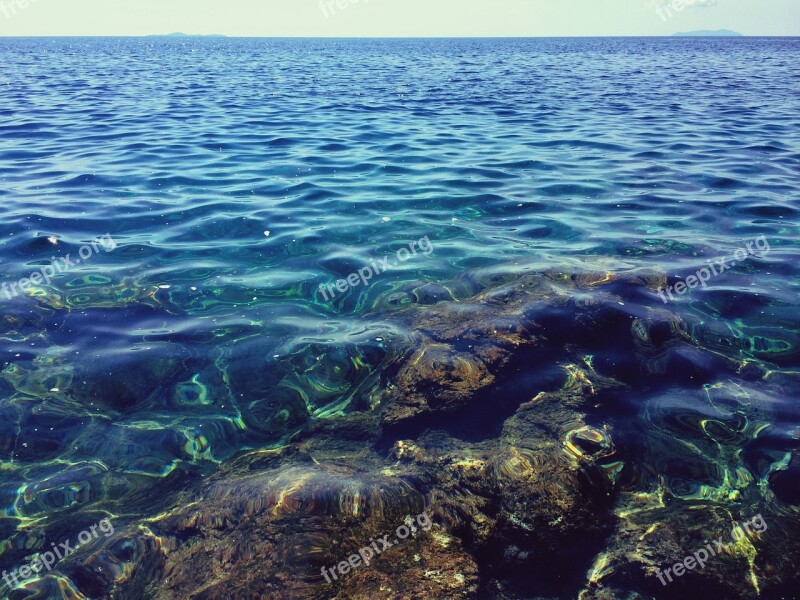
<point x="392" y="37"/>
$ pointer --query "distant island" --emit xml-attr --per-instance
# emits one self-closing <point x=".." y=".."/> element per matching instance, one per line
<point x="709" y="33"/>
<point x="179" y="34"/>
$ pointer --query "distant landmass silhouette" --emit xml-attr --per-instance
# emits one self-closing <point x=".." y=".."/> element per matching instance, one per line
<point x="709" y="33"/>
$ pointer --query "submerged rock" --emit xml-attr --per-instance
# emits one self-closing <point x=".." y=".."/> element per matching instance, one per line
<point x="562" y="442"/>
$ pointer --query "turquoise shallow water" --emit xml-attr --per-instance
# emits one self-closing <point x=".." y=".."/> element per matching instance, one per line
<point x="230" y="179"/>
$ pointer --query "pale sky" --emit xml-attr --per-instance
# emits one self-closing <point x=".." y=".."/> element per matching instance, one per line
<point x="393" y="18"/>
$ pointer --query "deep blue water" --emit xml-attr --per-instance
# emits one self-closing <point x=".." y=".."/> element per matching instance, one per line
<point x="236" y="176"/>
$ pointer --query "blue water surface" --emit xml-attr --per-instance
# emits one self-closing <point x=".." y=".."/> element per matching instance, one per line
<point x="228" y="179"/>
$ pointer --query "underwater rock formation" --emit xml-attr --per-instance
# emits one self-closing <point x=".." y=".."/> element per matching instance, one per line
<point x="566" y="443"/>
